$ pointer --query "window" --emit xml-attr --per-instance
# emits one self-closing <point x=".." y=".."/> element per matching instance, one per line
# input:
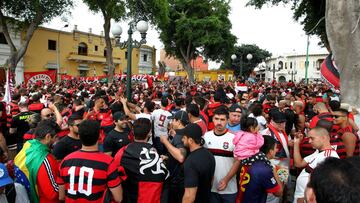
<point x="96" y="48"/>
<point x="82" y="49"/>
<point x="2" y="39"/>
<point x="126" y="55"/>
<point x="145" y="57"/>
<point x="52" y="45"/>
<point x="286" y="65"/>
<point x="83" y="73"/>
<point x="290" y="65"/>
<point x="105" y="53"/>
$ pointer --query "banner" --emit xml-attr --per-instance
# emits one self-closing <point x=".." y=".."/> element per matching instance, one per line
<point x="45" y="77"/>
<point x="139" y="78"/>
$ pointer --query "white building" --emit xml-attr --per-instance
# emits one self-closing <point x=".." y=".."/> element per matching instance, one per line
<point x="5" y="53"/>
<point x="290" y="67"/>
<point x="146" y="59"/>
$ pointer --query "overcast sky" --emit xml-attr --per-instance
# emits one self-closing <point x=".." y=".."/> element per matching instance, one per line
<point x="271" y="28"/>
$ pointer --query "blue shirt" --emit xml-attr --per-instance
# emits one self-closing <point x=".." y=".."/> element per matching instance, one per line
<point x="261" y="181"/>
<point x="233" y="129"/>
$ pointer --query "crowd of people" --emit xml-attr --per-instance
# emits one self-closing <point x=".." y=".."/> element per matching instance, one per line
<point x="175" y="141"/>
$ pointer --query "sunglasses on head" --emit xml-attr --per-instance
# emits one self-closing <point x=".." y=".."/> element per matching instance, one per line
<point x="49" y="115"/>
<point x="337" y="116"/>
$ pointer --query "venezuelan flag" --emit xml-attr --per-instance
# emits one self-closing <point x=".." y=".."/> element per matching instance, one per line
<point x="27" y="164"/>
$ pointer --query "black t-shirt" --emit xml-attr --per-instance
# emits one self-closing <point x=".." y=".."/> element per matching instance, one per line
<point x="115" y="140"/>
<point x="176" y="168"/>
<point x="199" y="170"/>
<point x="66" y="146"/>
<point x="20" y="122"/>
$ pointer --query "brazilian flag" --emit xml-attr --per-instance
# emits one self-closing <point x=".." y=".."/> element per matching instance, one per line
<point x="27" y="164"/>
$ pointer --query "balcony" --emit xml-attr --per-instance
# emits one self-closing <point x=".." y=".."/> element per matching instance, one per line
<point x="90" y="58"/>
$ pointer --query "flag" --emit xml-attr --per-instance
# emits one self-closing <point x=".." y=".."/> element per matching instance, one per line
<point x="330" y="72"/>
<point x="27" y="164"/>
<point x="9" y="89"/>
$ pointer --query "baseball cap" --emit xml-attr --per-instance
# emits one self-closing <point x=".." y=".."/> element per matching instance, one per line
<point x="4" y="176"/>
<point x="235" y="108"/>
<point x="277" y="116"/>
<point x="119" y="116"/>
<point x="192" y="130"/>
<point x="181" y="116"/>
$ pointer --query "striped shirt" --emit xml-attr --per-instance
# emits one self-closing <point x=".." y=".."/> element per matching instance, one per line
<point x="87" y="175"/>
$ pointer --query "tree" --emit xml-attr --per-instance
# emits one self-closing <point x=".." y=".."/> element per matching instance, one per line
<point x="27" y="15"/>
<point x="308" y="12"/>
<point x="152" y="10"/>
<point x="198" y="27"/>
<point x="110" y="9"/>
<point x="343" y="29"/>
<point x="241" y="52"/>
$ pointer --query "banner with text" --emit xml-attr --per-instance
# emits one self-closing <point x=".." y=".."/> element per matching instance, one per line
<point x="43" y="77"/>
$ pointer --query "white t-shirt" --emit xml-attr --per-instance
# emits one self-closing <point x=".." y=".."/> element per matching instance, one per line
<point x="313" y="161"/>
<point x="161" y="122"/>
<point x="222" y="148"/>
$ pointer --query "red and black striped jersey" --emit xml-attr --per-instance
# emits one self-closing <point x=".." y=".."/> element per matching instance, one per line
<point x="323" y="116"/>
<point x="144" y="171"/>
<point x="14" y="110"/>
<point x="87" y="175"/>
<point x="339" y="139"/>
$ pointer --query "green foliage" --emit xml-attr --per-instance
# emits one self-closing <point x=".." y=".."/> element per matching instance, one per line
<point x="113" y="9"/>
<point x="154" y="11"/>
<point x="26" y="10"/>
<point x="307" y="12"/>
<point x="198" y="27"/>
<point x="259" y="55"/>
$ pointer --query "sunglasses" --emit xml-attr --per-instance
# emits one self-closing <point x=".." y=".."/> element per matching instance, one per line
<point x="49" y="115"/>
<point x="337" y="116"/>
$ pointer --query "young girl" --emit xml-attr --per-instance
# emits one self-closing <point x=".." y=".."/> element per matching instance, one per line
<point x="247" y="141"/>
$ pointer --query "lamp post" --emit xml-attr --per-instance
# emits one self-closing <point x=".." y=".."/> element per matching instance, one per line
<point x="248" y="57"/>
<point x="142" y="27"/>
<point x="58" y="54"/>
<point x="292" y="72"/>
<point x="307" y="50"/>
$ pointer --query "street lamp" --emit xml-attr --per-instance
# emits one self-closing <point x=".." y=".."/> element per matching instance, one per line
<point x="58" y="54"/>
<point x="292" y="72"/>
<point x="142" y="27"/>
<point x="307" y="50"/>
<point x="248" y="57"/>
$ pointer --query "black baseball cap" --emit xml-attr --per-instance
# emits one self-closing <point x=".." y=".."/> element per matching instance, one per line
<point x="119" y="116"/>
<point x="181" y="116"/>
<point x="192" y="130"/>
<point x="235" y="108"/>
<point x="277" y="116"/>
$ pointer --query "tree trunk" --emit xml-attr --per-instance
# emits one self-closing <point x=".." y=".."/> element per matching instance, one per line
<point x="17" y="54"/>
<point x="343" y="30"/>
<point x="189" y="70"/>
<point x="109" y="50"/>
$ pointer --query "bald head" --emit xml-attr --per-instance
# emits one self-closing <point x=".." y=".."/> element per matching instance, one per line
<point x="46" y="113"/>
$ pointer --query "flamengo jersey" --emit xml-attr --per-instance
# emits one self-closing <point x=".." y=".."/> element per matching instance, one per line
<point x="144" y="171"/>
<point x="313" y="161"/>
<point x="222" y="147"/>
<point x="87" y="175"/>
<point x="161" y="122"/>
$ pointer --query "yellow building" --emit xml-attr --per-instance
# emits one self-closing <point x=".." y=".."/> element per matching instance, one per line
<point x="210" y="75"/>
<point x="82" y="54"/>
